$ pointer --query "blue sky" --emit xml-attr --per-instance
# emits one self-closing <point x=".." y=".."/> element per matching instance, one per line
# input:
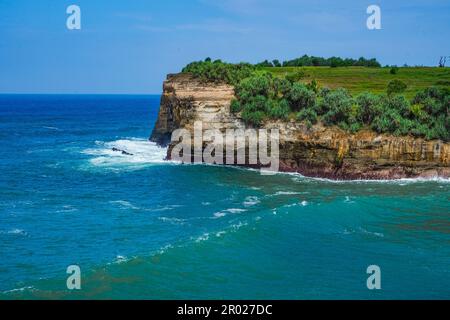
<point x="130" y="46"/>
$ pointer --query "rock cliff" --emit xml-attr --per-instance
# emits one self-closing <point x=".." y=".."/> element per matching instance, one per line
<point x="318" y="151"/>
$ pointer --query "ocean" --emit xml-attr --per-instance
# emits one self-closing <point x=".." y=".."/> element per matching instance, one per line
<point x="140" y="227"/>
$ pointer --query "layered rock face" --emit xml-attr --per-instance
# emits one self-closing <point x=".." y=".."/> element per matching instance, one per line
<point x="327" y="152"/>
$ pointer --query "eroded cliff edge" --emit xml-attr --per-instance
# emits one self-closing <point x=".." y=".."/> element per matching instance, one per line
<point x="327" y="152"/>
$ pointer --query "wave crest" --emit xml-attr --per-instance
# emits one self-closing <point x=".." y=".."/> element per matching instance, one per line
<point x="136" y="152"/>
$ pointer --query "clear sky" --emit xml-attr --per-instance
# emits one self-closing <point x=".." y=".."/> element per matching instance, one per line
<point x="130" y="46"/>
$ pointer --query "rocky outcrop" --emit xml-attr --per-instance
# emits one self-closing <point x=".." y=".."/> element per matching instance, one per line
<point x="185" y="100"/>
<point x="317" y="151"/>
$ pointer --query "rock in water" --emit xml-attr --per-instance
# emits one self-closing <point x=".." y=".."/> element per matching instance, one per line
<point x="122" y="151"/>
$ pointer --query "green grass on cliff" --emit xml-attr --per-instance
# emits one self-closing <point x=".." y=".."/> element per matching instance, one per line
<point x="375" y="80"/>
<point x="401" y="101"/>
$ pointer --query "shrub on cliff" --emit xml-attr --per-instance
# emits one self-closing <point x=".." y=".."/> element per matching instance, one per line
<point x="300" y="97"/>
<point x="254" y="118"/>
<point x="309" y="116"/>
<point x="324" y="91"/>
<point x="440" y="129"/>
<point x="219" y="71"/>
<point x="259" y="84"/>
<point x="387" y="122"/>
<point x="432" y="108"/>
<point x="235" y="106"/>
<point x="397" y="103"/>
<point x="254" y="110"/>
<point x="336" y="107"/>
<point x="278" y="109"/>
<point x="282" y="86"/>
<point x="369" y="106"/>
<point x="434" y="100"/>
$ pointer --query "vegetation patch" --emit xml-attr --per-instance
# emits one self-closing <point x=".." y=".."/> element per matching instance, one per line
<point x="262" y="95"/>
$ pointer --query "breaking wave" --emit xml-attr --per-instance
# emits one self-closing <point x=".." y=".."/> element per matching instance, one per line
<point x="126" y="152"/>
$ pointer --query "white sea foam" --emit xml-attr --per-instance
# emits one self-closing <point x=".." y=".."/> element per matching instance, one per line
<point x="203" y="237"/>
<point x="164" y="208"/>
<point x="165" y="248"/>
<point x="348" y="200"/>
<point x="297" y="177"/>
<point x="172" y="220"/>
<point x="363" y="231"/>
<point x="124" y="204"/>
<point x="136" y="152"/>
<point x="219" y="214"/>
<point x="14" y="232"/>
<point x="223" y="213"/>
<point x="120" y="259"/>
<point x="287" y="193"/>
<point x="51" y="128"/>
<point x="67" y="209"/>
<point x="239" y="225"/>
<point x="28" y="288"/>
<point x="303" y="203"/>
<point x="251" y="201"/>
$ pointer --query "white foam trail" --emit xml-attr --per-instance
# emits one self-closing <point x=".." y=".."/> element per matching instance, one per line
<point x="223" y="213"/>
<point x="121" y="259"/>
<point x="124" y="204"/>
<point x="363" y="231"/>
<point x="29" y="288"/>
<point x="287" y="193"/>
<point x="15" y="232"/>
<point x="251" y="201"/>
<point x="67" y="209"/>
<point x="298" y="177"/>
<point x="176" y="221"/>
<point x="51" y="128"/>
<point x="141" y="152"/>
<point x="203" y="237"/>
<point x="219" y="214"/>
<point x="304" y="203"/>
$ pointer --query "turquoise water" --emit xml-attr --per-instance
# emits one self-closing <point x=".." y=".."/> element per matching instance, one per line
<point x="140" y="227"/>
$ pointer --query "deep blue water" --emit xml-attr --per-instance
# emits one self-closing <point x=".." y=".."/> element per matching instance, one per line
<point x="140" y="227"/>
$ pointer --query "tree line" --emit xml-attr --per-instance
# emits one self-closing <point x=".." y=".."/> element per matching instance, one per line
<point x="312" y="61"/>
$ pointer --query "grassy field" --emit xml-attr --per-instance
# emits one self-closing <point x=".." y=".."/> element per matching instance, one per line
<point x="375" y="80"/>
